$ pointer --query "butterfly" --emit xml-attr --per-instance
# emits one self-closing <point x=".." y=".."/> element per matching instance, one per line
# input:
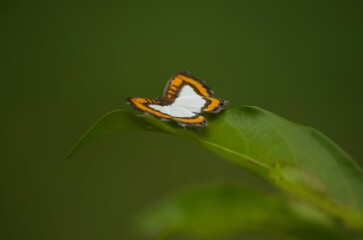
<point x="183" y="99"/>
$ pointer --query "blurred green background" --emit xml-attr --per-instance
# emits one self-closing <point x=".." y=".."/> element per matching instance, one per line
<point x="65" y="64"/>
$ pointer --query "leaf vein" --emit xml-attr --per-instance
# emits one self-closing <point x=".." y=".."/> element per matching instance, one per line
<point x="248" y="158"/>
<point x="284" y="139"/>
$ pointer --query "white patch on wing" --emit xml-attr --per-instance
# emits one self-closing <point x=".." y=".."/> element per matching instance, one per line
<point x="174" y="111"/>
<point x="184" y="106"/>
<point x="189" y="100"/>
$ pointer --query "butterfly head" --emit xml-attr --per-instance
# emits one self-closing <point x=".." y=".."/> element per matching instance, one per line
<point x="222" y="104"/>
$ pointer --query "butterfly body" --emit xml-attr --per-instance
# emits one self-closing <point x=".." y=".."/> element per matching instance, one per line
<point x="184" y="98"/>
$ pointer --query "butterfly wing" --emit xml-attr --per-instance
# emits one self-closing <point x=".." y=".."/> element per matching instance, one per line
<point x="185" y="90"/>
<point x="184" y="97"/>
<point x="168" y="111"/>
<point x="189" y="99"/>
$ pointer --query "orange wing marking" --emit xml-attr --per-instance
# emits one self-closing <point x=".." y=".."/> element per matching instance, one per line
<point x="202" y="89"/>
<point x="214" y="103"/>
<point x="178" y="80"/>
<point x="197" y="120"/>
<point x="139" y="103"/>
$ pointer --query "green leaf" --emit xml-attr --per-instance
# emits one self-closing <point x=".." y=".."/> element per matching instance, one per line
<point x="298" y="159"/>
<point x="118" y="120"/>
<point x="220" y="210"/>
